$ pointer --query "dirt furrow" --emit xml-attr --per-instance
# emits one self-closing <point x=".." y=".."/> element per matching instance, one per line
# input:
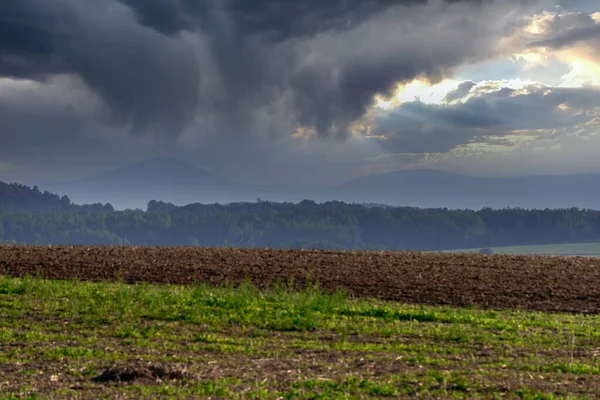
<point x="569" y="284"/>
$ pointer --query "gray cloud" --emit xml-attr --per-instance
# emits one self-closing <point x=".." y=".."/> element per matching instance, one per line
<point x="59" y="129"/>
<point x="28" y="34"/>
<point x="569" y="37"/>
<point x="558" y="30"/>
<point x="274" y="19"/>
<point x="416" y="127"/>
<point x="171" y="59"/>
<point x="149" y="81"/>
<point x="229" y="80"/>
<point x="461" y="91"/>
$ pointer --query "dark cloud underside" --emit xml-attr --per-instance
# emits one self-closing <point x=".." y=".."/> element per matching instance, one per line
<point x="416" y="127"/>
<point x="158" y="64"/>
<point x="149" y="82"/>
<point x="277" y="19"/>
<point x="569" y="37"/>
<point x="231" y="79"/>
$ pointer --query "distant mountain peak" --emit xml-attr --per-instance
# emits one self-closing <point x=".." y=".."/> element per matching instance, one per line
<point x="158" y="170"/>
<point x="162" y="161"/>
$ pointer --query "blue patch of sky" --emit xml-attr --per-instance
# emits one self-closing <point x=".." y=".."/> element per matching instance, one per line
<point x="488" y="70"/>
<point x="586" y="6"/>
<point x="500" y="69"/>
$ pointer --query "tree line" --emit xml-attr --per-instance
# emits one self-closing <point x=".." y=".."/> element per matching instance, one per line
<point x="29" y="216"/>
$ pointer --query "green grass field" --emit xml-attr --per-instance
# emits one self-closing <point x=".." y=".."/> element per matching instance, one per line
<point x="567" y="249"/>
<point x="65" y="339"/>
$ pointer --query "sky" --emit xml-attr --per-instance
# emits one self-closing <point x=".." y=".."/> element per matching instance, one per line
<point x="311" y="92"/>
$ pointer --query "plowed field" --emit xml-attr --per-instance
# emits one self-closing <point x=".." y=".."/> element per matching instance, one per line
<point x="540" y="283"/>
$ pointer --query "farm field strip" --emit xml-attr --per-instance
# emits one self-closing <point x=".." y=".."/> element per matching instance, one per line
<point x="564" y="249"/>
<point x="568" y="284"/>
<point x="75" y="339"/>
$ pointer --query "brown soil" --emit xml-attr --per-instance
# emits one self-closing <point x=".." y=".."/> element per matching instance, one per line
<point x="569" y="284"/>
<point x="151" y="372"/>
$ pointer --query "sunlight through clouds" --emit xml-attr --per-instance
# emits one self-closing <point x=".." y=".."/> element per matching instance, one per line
<point x="568" y="37"/>
<point x="529" y="116"/>
<point x="583" y="73"/>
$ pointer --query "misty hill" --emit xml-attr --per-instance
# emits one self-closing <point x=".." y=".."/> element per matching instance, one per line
<point x="164" y="179"/>
<point x="132" y="186"/>
<point x="431" y="188"/>
<point x="168" y="180"/>
<point x="159" y="171"/>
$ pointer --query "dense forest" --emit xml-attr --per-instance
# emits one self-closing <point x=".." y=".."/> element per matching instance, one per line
<point x="29" y="216"/>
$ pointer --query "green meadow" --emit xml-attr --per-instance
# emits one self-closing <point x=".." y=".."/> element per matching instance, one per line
<point x="566" y="249"/>
<point x="83" y="340"/>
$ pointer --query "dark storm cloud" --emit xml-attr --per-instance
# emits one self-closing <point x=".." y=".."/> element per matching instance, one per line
<point x="27" y="38"/>
<point x="149" y="81"/>
<point x="461" y="91"/>
<point x="561" y="29"/>
<point x="276" y="19"/>
<point x="227" y="82"/>
<point x="569" y="37"/>
<point x="55" y="126"/>
<point x="161" y="64"/>
<point x="416" y="127"/>
<point x="260" y="50"/>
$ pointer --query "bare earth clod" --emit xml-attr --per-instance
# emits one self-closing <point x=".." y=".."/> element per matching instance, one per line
<point x="150" y="372"/>
<point x="569" y="284"/>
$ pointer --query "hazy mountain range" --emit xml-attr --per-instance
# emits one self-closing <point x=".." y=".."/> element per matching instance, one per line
<point x="173" y="181"/>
